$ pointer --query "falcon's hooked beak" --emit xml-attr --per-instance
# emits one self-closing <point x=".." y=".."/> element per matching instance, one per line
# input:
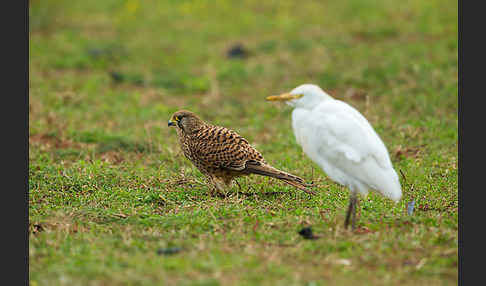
<point x="171" y="123"/>
<point x="283" y="97"/>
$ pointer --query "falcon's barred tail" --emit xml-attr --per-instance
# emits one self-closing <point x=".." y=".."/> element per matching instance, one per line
<point x="259" y="168"/>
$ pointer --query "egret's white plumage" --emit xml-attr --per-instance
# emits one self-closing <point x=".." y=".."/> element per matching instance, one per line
<point x="342" y="142"/>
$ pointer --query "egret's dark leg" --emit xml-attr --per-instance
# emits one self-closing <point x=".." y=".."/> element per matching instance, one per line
<point x="348" y="214"/>
<point x="351" y="211"/>
<point x="353" y="219"/>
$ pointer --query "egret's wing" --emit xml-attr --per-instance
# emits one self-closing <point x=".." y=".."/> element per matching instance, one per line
<point x="343" y="131"/>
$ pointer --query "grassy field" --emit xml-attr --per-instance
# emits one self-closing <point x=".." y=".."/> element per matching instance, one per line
<point x="110" y="191"/>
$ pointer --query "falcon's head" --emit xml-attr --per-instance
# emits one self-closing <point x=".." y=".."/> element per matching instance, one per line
<point x="185" y="121"/>
<point x="305" y="96"/>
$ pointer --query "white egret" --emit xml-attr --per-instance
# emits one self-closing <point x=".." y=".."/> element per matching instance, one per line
<point x="342" y="142"/>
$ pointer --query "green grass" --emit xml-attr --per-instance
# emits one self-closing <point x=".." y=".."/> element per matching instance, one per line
<point x="109" y="187"/>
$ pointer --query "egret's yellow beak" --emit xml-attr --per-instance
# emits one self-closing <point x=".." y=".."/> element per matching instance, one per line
<point x="283" y="97"/>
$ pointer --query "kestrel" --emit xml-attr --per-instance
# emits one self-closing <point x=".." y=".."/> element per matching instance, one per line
<point x="222" y="154"/>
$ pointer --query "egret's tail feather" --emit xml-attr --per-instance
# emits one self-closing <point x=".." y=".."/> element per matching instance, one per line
<point x="391" y="187"/>
<point x="269" y="171"/>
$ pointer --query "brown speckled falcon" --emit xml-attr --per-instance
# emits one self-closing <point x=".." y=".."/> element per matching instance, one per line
<point x="221" y="154"/>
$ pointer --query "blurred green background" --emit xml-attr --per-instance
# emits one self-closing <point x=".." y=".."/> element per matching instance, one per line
<point x="109" y="188"/>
